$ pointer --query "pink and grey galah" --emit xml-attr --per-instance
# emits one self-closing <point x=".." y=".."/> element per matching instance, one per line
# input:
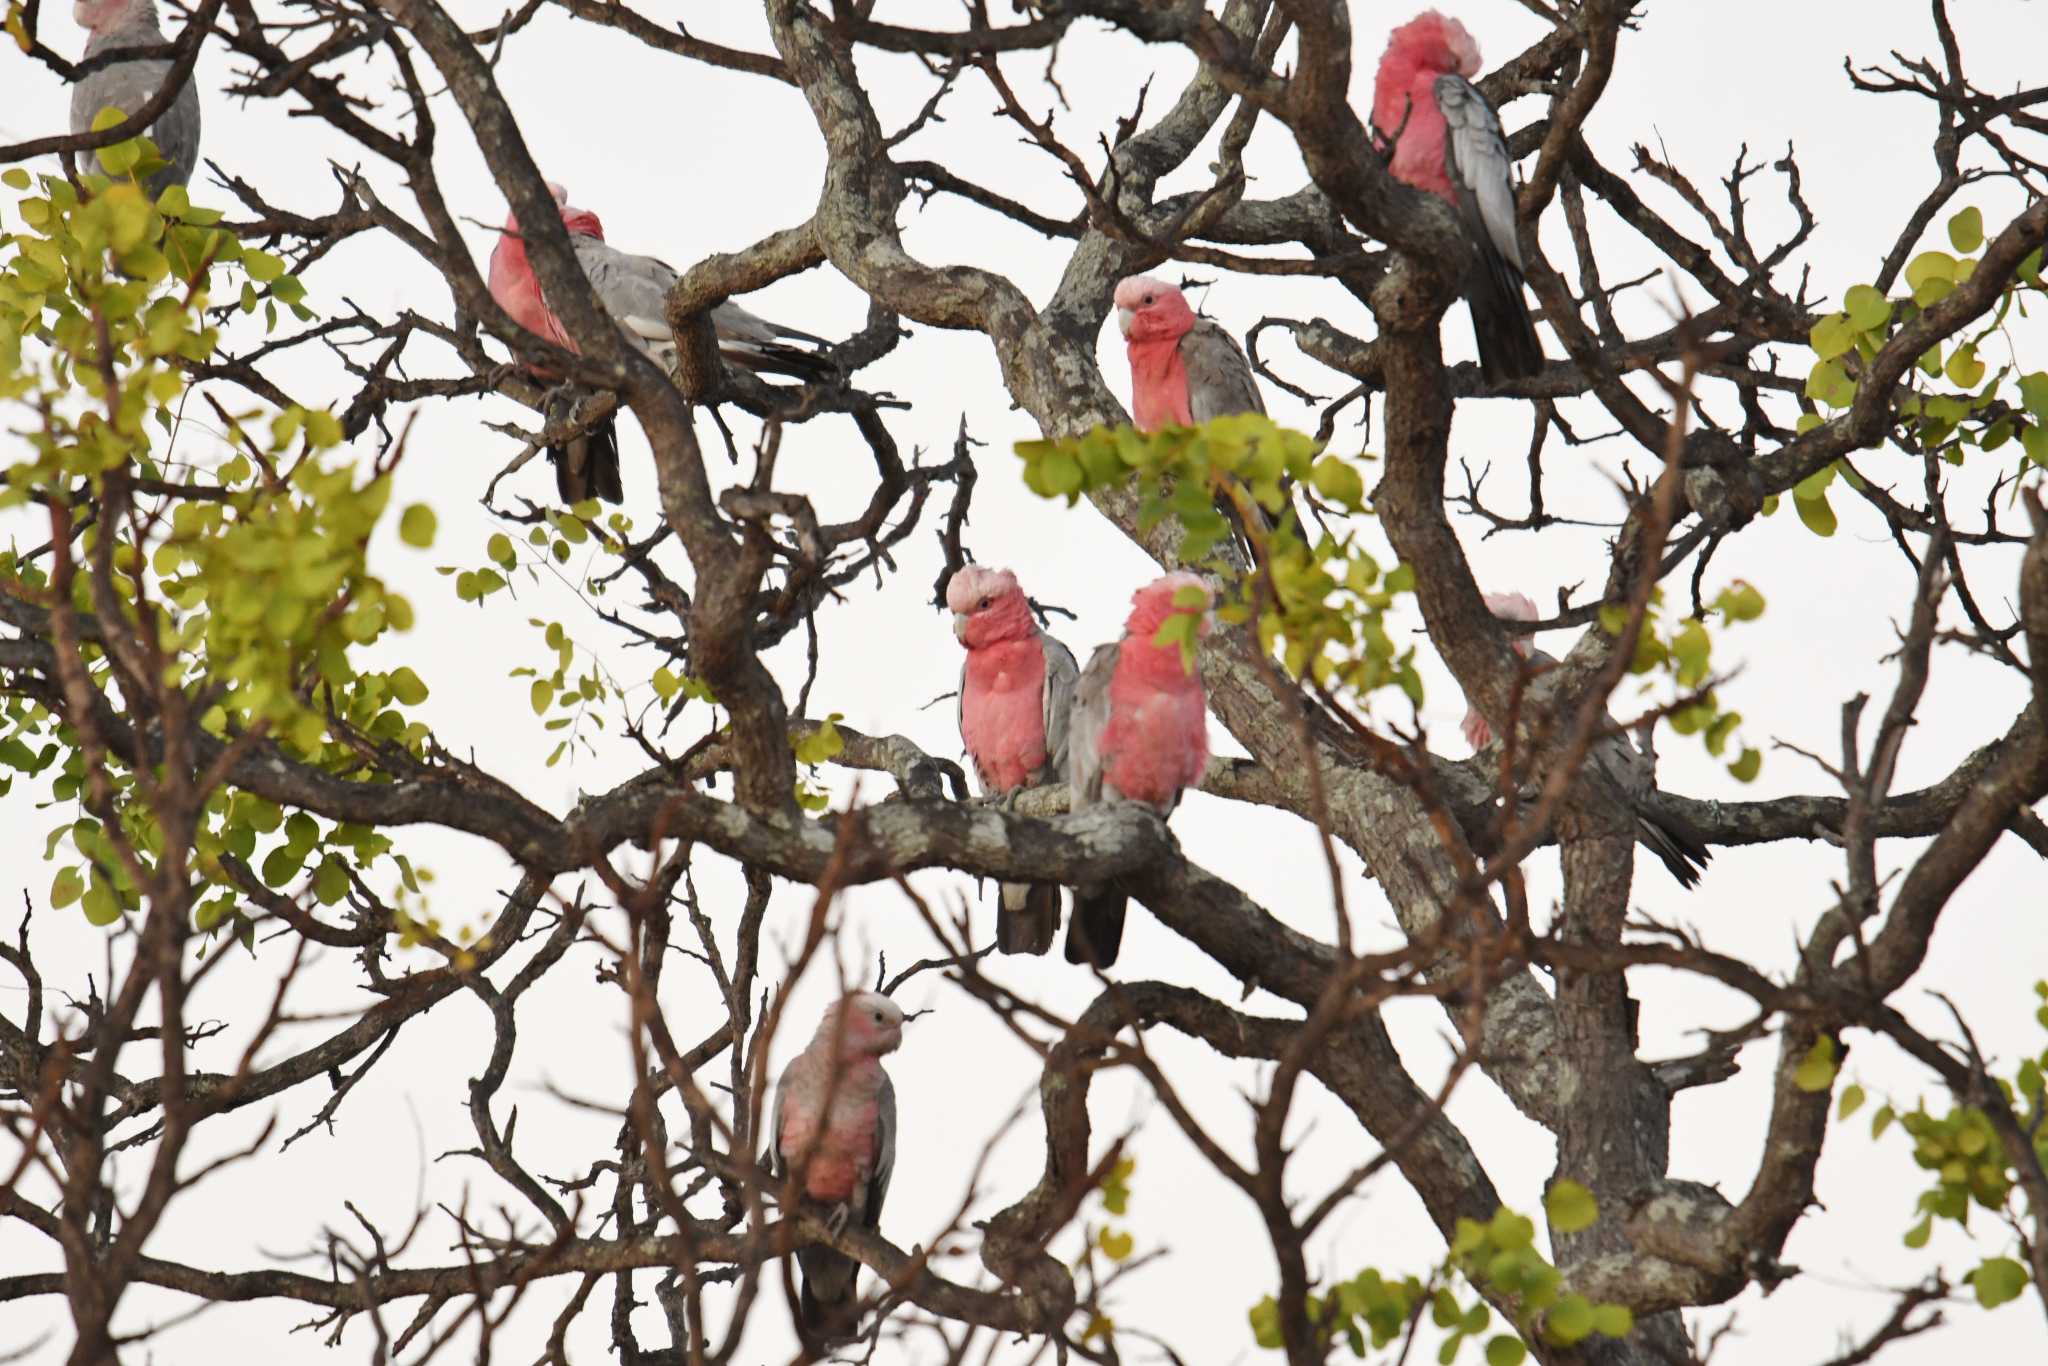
<point x="1016" y="691"/>
<point x="834" y="1137"/>
<point x="1184" y="369"/>
<point x="1447" y="140"/>
<point x="634" y="290"/>
<point x="129" y="86"/>
<point x="1140" y="733"/>
<point x="1612" y="754"/>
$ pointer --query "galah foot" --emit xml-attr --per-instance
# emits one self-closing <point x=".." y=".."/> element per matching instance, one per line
<point x="836" y="1218"/>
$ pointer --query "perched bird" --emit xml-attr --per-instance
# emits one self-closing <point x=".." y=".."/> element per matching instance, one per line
<point x="634" y="291"/>
<point x="1140" y="733"/>
<point x="1447" y="140"/>
<point x="130" y="85"/>
<point x="1016" y="689"/>
<point x="1614" y="754"/>
<point x="1184" y="369"/>
<point x="834" y="1131"/>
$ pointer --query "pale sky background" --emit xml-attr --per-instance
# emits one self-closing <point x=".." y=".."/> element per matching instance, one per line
<point x="683" y="160"/>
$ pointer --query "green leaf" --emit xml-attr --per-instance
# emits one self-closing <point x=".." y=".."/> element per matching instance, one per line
<point x="1966" y="230"/>
<point x="1867" y="307"/>
<point x="1998" y="1280"/>
<point x="1505" y="1350"/>
<point x="416" y="526"/>
<point x="1115" y="1245"/>
<point x="1816" y="1071"/>
<point x="1964" y="369"/>
<point x="1570" y="1322"/>
<point x="1832" y="335"/>
<point x="1818" y="516"/>
<point x="1570" y="1206"/>
<point x="1929" y="266"/>
<point x="1851" y="1101"/>
<point x="1613" y="1320"/>
<point x="1265" y="1319"/>
<point x="66" y="887"/>
<point x="407" y="687"/>
<point x="1338" y="482"/>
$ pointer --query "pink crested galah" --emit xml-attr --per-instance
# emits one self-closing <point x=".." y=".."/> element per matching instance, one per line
<point x="1675" y="843"/>
<point x="1184" y="369"/>
<point x="1140" y="733"/>
<point x="130" y="85"/>
<point x="1016" y="690"/>
<point x="1447" y="140"/>
<point x="634" y="290"/>
<point x="834" y="1133"/>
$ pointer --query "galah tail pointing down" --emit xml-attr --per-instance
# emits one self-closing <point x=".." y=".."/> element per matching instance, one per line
<point x="834" y="1133"/>
<point x="634" y="290"/>
<point x="1140" y="733"/>
<point x="1447" y="140"/>
<point x="129" y="86"/>
<point x="1016" y="689"/>
<point x="1613" y="754"/>
<point x="1184" y="369"/>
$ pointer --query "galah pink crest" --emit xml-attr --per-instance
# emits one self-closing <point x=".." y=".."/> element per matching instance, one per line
<point x="130" y="86"/>
<point x="1016" y="689"/>
<point x="1447" y="140"/>
<point x="834" y="1134"/>
<point x="634" y="290"/>
<point x="1140" y="733"/>
<point x="1613" y="755"/>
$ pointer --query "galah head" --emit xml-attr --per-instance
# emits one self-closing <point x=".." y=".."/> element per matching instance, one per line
<point x="1178" y="592"/>
<point x="1151" y="310"/>
<point x="988" y="607"/>
<point x="1515" y="607"/>
<point x="97" y="16"/>
<point x="579" y="222"/>
<point x="1435" y="43"/>
<point x="865" y="1024"/>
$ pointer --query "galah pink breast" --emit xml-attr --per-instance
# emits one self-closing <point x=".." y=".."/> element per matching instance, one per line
<point x="1140" y="733"/>
<point x="833" y="1133"/>
<point x="1016" y="690"/>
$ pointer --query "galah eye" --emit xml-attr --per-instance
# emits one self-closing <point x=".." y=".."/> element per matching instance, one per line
<point x="1148" y="298"/>
<point x="982" y="606"/>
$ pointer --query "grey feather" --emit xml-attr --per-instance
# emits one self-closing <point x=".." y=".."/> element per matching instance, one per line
<point x="129" y="86"/>
<point x="634" y="290"/>
<point x="1476" y="160"/>
<point x="1613" y="755"/>
<point x="885" y="1155"/>
<point x="1096" y="930"/>
<point x="1061" y="674"/>
<point x="1220" y="380"/>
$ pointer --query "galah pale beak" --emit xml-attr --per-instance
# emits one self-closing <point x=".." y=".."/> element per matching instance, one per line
<point x="960" y="626"/>
<point x="1124" y="318"/>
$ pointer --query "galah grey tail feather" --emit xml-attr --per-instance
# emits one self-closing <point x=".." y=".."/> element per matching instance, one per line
<point x="1481" y="172"/>
<point x="129" y="86"/>
<point x="1097" y="930"/>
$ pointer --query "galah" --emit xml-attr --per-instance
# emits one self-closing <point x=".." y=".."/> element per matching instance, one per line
<point x="1613" y="754"/>
<point x="634" y="290"/>
<point x="1140" y="733"/>
<point x="833" y="1133"/>
<point x="1184" y="369"/>
<point x="1016" y="690"/>
<point x="130" y="85"/>
<point x="1447" y="140"/>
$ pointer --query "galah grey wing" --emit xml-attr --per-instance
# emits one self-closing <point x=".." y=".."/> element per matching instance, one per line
<point x="129" y="87"/>
<point x="1615" y="757"/>
<point x="1220" y="380"/>
<point x="634" y="291"/>
<point x="777" y="1162"/>
<point x="885" y="1155"/>
<point x="1476" y="160"/>
<point x="1061" y="674"/>
<point x="1086" y="722"/>
<point x="1097" y="928"/>
<point x="746" y="338"/>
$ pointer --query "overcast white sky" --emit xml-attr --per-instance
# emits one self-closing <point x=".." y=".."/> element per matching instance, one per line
<point x="681" y="161"/>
